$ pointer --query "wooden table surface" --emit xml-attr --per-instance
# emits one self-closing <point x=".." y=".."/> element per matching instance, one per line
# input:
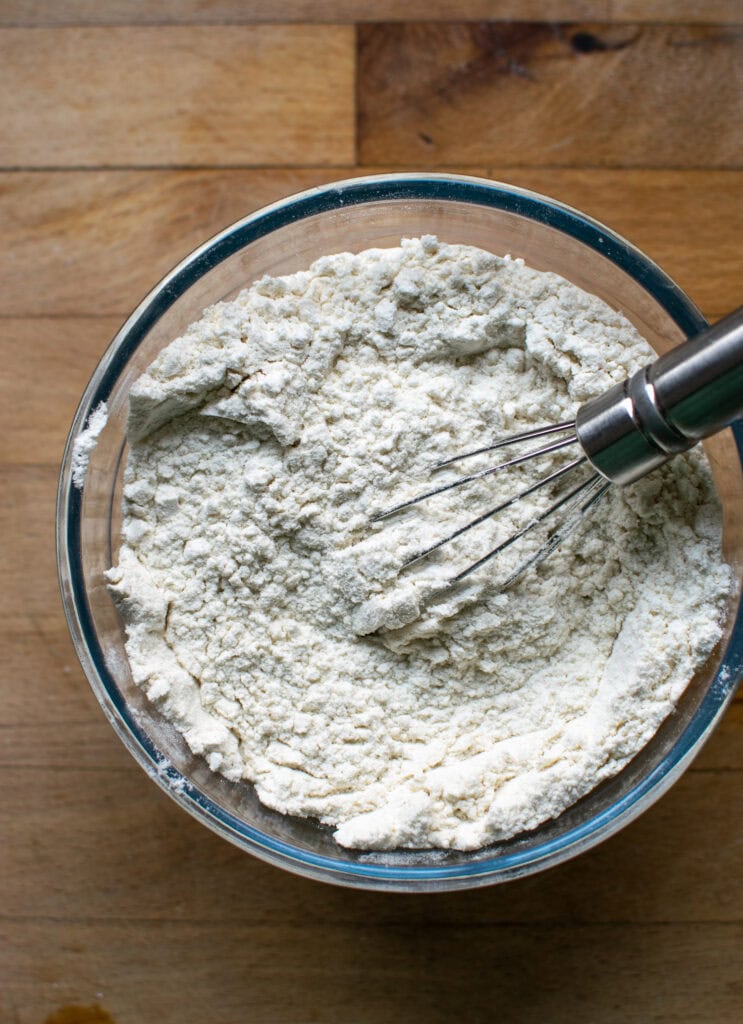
<point x="129" y="132"/>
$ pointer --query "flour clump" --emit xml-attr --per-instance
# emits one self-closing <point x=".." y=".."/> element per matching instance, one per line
<point x="85" y="443"/>
<point x="269" y="620"/>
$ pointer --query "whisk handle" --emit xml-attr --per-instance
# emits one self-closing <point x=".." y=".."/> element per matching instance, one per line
<point x="687" y="394"/>
<point x="699" y="384"/>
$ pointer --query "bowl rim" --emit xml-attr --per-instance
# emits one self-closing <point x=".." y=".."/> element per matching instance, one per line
<point x="293" y="208"/>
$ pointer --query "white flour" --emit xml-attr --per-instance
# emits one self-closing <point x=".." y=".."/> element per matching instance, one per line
<point x="267" y="619"/>
<point x="85" y="443"/>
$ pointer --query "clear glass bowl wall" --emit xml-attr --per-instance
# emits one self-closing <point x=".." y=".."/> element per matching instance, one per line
<point x="283" y="238"/>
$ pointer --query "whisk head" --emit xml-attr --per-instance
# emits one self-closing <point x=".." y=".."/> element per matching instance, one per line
<point x="571" y="506"/>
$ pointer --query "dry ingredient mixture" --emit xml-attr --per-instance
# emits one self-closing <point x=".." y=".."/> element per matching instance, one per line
<point x="269" y="620"/>
<point x="85" y="443"/>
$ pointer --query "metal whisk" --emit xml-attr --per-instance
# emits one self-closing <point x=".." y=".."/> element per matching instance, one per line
<point x="667" y="407"/>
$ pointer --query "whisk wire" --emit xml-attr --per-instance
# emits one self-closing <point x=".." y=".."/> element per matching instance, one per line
<point x="595" y="485"/>
<point x="544" y="482"/>
<point x="561" y="533"/>
<point x="527" y="435"/>
<point x="535" y="453"/>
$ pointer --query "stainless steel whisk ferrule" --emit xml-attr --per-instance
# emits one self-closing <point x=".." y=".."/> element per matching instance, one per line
<point x="690" y="393"/>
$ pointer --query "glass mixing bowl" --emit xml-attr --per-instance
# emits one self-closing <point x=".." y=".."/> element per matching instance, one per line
<point x="285" y="237"/>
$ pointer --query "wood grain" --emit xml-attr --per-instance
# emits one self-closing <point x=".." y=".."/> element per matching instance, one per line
<point x="91" y="243"/>
<point x="640" y="876"/>
<point x="30" y="598"/>
<point x="177" y="96"/>
<point x="725" y="749"/>
<point x="688" y="12"/>
<point x="376" y="973"/>
<point x="546" y="94"/>
<point x="689" y="222"/>
<point x="130" y="12"/>
<point x="117" y="232"/>
<point x="185" y="116"/>
<point x="49" y="361"/>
